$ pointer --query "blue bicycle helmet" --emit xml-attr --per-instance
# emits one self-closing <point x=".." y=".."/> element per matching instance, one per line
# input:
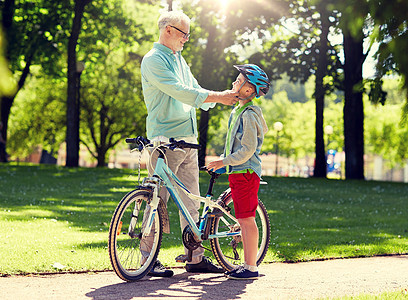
<point x="256" y="76"/>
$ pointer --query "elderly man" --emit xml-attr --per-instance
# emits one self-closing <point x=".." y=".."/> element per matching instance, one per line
<point x="172" y="95"/>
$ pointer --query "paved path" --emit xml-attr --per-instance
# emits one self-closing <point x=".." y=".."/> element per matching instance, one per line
<point x="309" y="280"/>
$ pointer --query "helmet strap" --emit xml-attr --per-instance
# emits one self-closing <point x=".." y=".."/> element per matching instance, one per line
<point x="250" y="96"/>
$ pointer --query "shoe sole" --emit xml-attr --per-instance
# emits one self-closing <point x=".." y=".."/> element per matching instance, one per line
<point x="205" y="271"/>
<point x="160" y="275"/>
<point x="238" y="278"/>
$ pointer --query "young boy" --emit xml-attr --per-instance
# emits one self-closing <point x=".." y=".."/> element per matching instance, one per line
<point x="246" y="130"/>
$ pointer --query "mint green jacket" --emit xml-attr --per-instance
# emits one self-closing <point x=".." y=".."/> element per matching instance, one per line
<point x="171" y="94"/>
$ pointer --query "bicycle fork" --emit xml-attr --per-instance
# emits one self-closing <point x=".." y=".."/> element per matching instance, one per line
<point x="152" y="186"/>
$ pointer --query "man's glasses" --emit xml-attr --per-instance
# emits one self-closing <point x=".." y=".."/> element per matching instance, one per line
<point x="186" y="35"/>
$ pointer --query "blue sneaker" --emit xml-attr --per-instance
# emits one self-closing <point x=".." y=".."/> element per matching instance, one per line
<point x="233" y="270"/>
<point x="243" y="274"/>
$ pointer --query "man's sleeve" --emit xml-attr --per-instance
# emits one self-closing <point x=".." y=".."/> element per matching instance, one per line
<point x="204" y="106"/>
<point x="156" y="72"/>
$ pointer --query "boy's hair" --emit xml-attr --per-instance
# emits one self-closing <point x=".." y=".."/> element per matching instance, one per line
<point x="172" y="18"/>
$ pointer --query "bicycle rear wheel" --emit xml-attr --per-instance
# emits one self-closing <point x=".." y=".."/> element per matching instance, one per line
<point x="229" y="250"/>
<point x="126" y="244"/>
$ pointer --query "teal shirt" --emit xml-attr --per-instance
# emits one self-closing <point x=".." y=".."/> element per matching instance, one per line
<point x="171" y="94"/>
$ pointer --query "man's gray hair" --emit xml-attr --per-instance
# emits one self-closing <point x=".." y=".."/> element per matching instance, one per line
<point x="172" y="18"/>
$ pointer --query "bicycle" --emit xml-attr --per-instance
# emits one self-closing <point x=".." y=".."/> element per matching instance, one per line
<point x="142" y="214"/>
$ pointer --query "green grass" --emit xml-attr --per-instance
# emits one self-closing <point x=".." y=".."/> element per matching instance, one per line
<point x="394" y="295"/>
<point x="52" y="215"/>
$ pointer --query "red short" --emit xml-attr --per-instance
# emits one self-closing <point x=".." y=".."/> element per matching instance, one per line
<point x="244" y="192"/>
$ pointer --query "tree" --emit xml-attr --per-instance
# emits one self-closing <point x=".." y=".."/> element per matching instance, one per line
<point x="111" y="109"/>
<point x="7" y="84"/>
<point x="322" y="63"/>
<point x="72" y="137"/>
<point x="219" y="27"/>
<point x="111" y="95"/>
<point x="303" y="51"/>
<point x="386" y="22"/>
<point x="353" y="106"/>
<point x="391" y="32"/>
<point x="38" y="115"/>
<point x="210" y="59"/>
<point x="35" y="35"/>
<point x="353" y="25"/>
<point x="384" y="137"/>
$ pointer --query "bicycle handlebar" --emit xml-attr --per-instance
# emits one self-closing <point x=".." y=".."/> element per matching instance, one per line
<point x="182" y="144"/>
<point x="173" y="144"/>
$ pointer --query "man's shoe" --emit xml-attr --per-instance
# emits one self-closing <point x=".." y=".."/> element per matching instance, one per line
<point x="205" y="266"/>
<point x="159" y="270"/>
<point x="243" y="274"/>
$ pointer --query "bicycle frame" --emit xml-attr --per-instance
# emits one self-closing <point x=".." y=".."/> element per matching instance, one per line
<point x="134" y="248"/>
<point x="163" y="171"/>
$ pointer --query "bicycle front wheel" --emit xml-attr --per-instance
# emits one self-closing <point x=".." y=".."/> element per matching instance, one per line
<point x="132" y="256"/>
<point x="229" y="250"/>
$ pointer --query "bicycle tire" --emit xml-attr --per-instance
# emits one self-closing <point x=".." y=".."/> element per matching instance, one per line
<point x="124" y="247"/>
<point x="222" y="247"/>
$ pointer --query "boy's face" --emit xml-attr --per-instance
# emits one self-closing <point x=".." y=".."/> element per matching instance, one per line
<point x="246" y="89"/>
<point x="238" y="82"/>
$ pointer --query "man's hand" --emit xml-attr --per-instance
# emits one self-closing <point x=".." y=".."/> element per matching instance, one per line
<point x="230" y="97"/>
<point x="227" y="97"/>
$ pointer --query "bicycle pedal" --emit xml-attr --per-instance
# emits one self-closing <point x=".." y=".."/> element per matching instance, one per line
<point x="182" y="258"/>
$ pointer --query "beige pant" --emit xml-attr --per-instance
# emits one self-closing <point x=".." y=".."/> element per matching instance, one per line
<point x="185" y="166"/>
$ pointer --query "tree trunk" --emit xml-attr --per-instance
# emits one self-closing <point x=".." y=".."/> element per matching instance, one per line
<point x="353" y="112"/>
<point x="6" y="103"/>
<point x="9" y="7"/>
<point x="72" y="135"/>
<point x="320" y="169"/>
<point x="211" y="61"/>
<point x="101" y="158"/>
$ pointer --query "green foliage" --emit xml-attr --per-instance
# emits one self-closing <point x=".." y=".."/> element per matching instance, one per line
<point x="111" y="46"/>
<point x="385" y="135"/>
<point x="111" y="94"/>
<point x="296" y="137"/>
<point x="391" y="22"/>
<point x="38" y="34"/>
<point x="112" y="107"/>
<point x="59" y="215"/>
<point x="116" y="34"/>
<point x="7" y="84"/>
<point x="38" y="116"/>
<point x="294" y="90"/>
<point x="333" y="117"/>
<point x="208" y="50"/>
<point x="393" y="295"/>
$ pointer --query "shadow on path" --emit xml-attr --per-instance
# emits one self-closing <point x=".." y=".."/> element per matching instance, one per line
<point x="183" y="285"/>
